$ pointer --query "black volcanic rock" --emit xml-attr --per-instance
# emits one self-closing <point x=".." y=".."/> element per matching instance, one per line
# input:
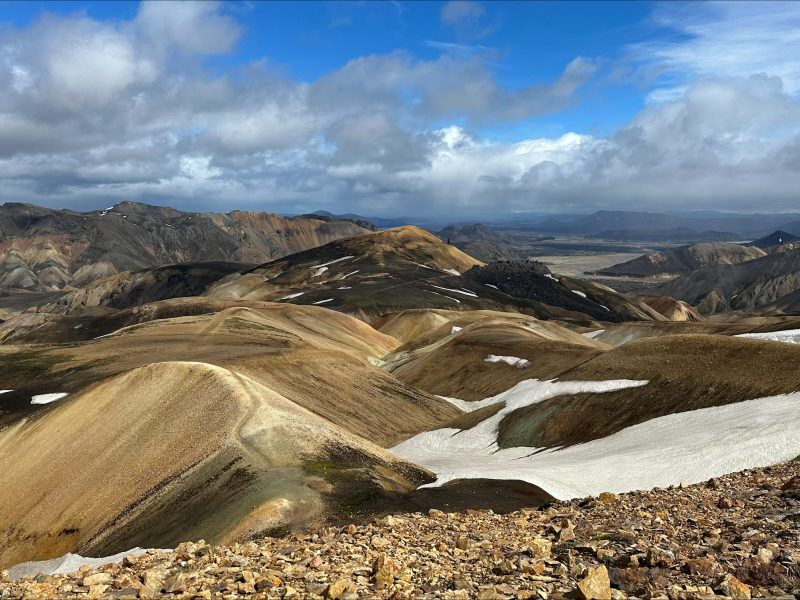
<point x="532" y="280"/>
<point x="774" y="239"/>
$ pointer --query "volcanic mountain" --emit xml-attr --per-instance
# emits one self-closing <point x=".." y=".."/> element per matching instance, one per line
<point x="47" y="249"/>
<point x="407" y="267"/>
<point x="760" y="284"/>
<point x="673" y="263"/>
<point x="481" y="242"/>
<point x="775" y="239"/>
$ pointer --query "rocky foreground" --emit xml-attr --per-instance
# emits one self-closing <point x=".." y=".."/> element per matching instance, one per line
<point x="737" y="536"/>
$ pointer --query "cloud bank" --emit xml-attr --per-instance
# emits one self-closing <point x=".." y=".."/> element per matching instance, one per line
<point x="92" y="112"/>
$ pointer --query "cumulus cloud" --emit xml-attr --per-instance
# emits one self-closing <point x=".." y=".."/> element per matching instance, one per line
<point x="94" y="111"/>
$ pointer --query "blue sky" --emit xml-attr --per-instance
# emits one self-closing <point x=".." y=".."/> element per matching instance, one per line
<point x="390" y="107"/>
<point x="523" y="41"/>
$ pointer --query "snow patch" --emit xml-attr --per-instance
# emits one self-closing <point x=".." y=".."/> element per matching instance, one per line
<point x="5" y="391"/>
<point x="464" y="405"/>
<point x="453" y="329"/>
<point x="69" y="563"/>
<point x="331" y="262"/>
<point x="593" y="334"/>
<point x="344" y="287"/>
<point x="788" y="336"/>
<point x="581" y="294"/>
<point x="290" y="296"/>
<point x="452" y="272"/>
<point x="687" y="447"/>
<point x="48" y="398"/>
<point x="463" y="292"/>
<point x="319" y="271"/>
<point x="514" y="361"/>
<point x="445" y="296"/>
<point x="553" y="277"/>
<point x="491" y="286"/>
<point x="348" y="274"/>
<point x="323" y="301"/>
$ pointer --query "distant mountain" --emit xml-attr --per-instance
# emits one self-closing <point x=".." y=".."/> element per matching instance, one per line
<point x="683" y="260"/>
<point x="481" y="242"/>
<point x="775" y="239"/>
<point x="749" y="286"/>
<point x="632" y="225"/>
<point x="48" y="249"/>
<point x="677" y="234"/>
<point x="379" y="222"/>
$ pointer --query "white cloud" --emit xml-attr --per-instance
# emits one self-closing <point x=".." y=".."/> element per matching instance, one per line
<point x="460" y="12"/>
<point x="373" y="135"/>
<point x="725" y="39"/>
<point x="194" y="26"/>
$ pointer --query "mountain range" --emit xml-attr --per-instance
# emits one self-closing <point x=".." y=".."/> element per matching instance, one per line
<point x="367" y="379"/>
<point x="45" y="249"/>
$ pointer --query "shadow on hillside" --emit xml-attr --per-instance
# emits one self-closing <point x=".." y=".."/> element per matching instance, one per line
<point x="456" y="496"/>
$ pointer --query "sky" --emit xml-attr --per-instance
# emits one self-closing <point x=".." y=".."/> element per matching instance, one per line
<point x="462" y="109"/>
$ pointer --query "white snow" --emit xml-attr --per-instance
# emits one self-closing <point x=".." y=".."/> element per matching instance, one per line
<point x="603" y="306"/>
<point x="491" y="286"/>
<point x="593" y="334"/>
<point x="445" y="296"/>
<point x="319" y="271"/>
<point x="452" y="272"/>
<point x="453" y="329"/>
<point x="331" y="262"/>
<point x="514" y="361"/>
<point x="348" y="274"/>
<point x="48" y="398"/>
<point x="323" y="301"/>
<point x="69" y="563"/>
<point x="553" y="277"/>
<point x="581" y="294"/>
<point x="462" y="292"/>
<point x="423" y="266"/>
<point x="789" y="336"/>
<point x="344" y="287"/>
<point x="290" y="296"/>
<point x="464" y="405"/>
<point x="684" y="447"/>
<point x="5" y="391"/>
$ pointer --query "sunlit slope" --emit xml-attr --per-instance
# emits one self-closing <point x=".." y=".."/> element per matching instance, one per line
<point x="322" y="359"/>
<point x="168" y="452"/>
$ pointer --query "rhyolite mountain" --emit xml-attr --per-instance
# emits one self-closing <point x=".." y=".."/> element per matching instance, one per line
<point x="407" y="267"/>
<point x="679" y="261"/>
<point x="766" y="283"/>
<point x="45" y="249"/>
